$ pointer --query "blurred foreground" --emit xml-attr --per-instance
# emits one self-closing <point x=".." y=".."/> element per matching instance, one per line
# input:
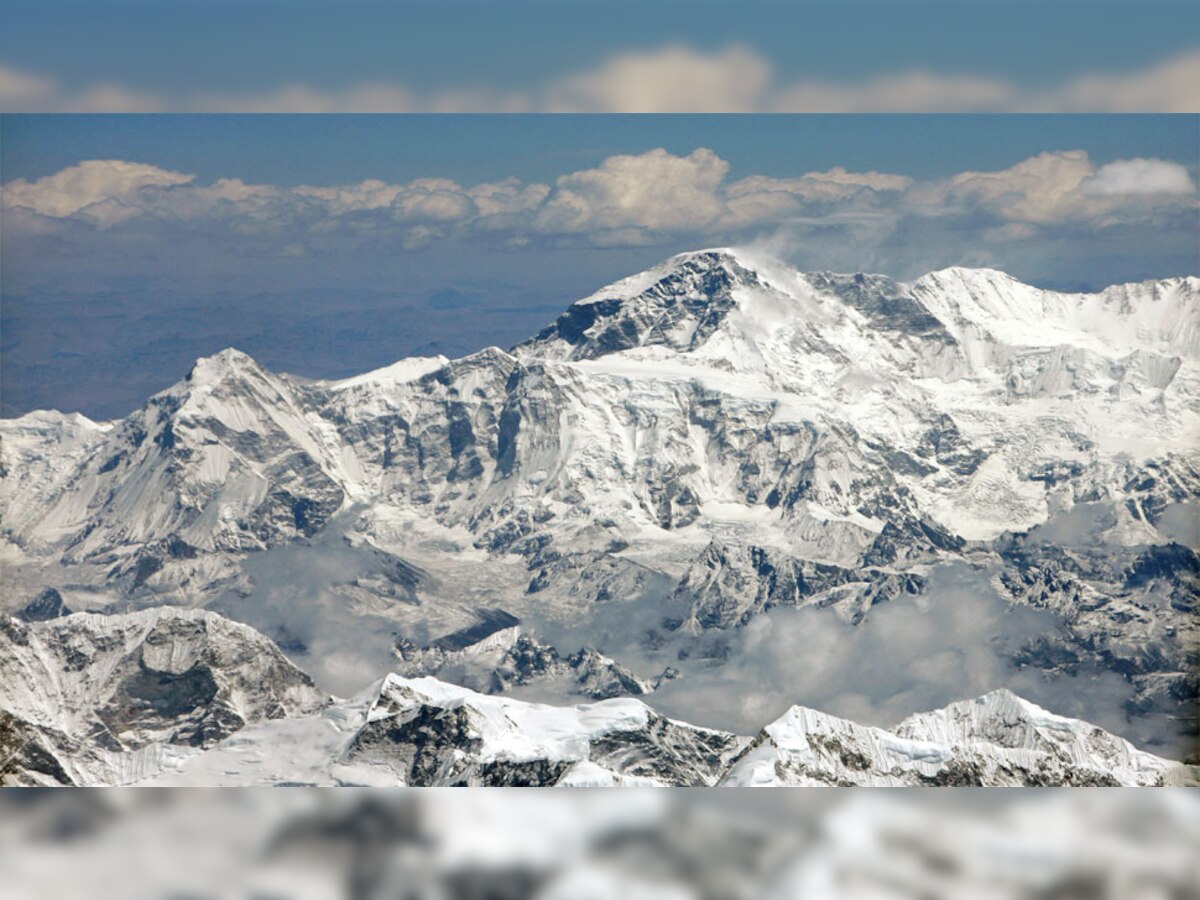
<point x="599" y="844"/>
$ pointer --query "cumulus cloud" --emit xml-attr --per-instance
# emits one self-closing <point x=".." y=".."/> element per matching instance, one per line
<point x="25" y="90"/>
<point x="757" y="198"/>
<point x="1139" y="176"/>
<point x="1058" y="189"/>
<point x="101" y="181"/>
<point x="1058" y="218"/>
<point x="1044" y="188"/>
<point x="672" y="78"/>
<point x="1170" y="86"/>
<point x="654" y="190"/>
<point x="626" y="200"/>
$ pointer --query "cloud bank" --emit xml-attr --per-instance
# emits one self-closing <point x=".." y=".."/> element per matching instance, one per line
<point x="628" y="200"/>
<point x="910" y="655"/>
<point x="670" y="78"/>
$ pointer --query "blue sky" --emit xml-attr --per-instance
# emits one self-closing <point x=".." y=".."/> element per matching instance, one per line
<point x="326" y="245"/>
<point x="299" y="149"/>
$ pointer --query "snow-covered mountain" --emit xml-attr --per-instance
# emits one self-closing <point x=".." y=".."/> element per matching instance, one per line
<point x="93" y="699"/>
<point x="675" y="456"/>
<point x="168" y="697"/>
<point x="429" y="733"/>
<point x="997" y="740"/>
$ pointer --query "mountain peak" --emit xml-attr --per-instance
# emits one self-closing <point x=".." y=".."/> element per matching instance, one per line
<point x="711" y="256"/>
<point x="678" y="303"/>
<point x="969" y="274"/>
<point x="718" y="262"/>
<point x="209" y="370"/>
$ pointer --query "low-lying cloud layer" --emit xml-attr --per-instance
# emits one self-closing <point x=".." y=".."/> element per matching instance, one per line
<point x="955" y="642"/>
<point x="626" y="200"/>
<point x="670" y="78"/>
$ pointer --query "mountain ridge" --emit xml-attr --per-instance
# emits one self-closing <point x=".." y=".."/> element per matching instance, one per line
<point x="710" y="440"/>
<point x="426" y="732"/>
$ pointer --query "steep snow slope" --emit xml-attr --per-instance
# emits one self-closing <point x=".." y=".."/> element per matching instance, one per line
<point x="224" y="460"/>
<point x="38" y="454"/>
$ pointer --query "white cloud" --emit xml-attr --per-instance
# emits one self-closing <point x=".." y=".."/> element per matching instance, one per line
<point x="76" y="188"/>
<point x="25" y="90"/>
<point x="909" y="655"/>
<point x="954" y="642"/>
<point x="654" y="190"/>
<point x="1059" y="188"/>
<point x="625" y="200"/>
<point x="1139" y="176"/>
<point x="1041" y="189"/>
<point x="1171" y="86"/>
<point x="673" y="78"/>
<point x="758" y="198"/>
<point x="507" y="198"/>
<point x="912" y="91"/>
<point x="369" y="194"/>
<point x="433" y="200"/>
<point x="299" y="98"/>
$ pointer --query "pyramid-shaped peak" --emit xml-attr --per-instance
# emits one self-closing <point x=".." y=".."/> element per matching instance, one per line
<point x="1000" y="717"/>
<point x="703" y="269"/>
<point x="997" y="697"/>
<point x="711" y="256"/>
<point x="736" y="263"/>
<point x="1001" y="703"/>
<point x="219" y="366"/>
<point x="678" y="304"/>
